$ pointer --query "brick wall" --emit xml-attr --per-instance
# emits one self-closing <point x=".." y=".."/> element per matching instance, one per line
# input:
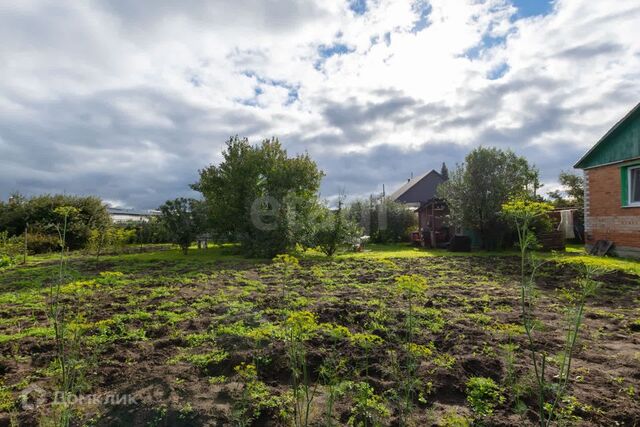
<point x="605" y="218"/>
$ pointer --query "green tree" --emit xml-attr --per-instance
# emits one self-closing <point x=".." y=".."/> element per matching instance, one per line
<point x="444" y="171"/>
<point x="383" y="219"/>
<point x="572" y="193"/>
<point x="39" y="213"/>
<point x="261" y="197"/>
<point x="183" y="219"/>
<point x="334" y="229"/>
<point x="477" y="189"/>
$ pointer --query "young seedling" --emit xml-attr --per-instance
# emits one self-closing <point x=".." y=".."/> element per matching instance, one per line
<point x="483" y="395"/>
<point x="253" y="397"/>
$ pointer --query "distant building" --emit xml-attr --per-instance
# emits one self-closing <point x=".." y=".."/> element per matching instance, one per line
<point x="612" y="187"/>
<point x="119" y="215"/>
<point x="418" y="190"/>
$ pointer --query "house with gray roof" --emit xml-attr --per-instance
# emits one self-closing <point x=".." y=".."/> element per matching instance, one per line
<point x="418" y="190"/>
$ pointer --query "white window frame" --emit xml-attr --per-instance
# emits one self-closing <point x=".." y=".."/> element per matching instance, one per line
<point x="630" y="201"/>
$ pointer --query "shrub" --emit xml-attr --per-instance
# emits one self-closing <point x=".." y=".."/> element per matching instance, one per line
<point x="152" y="231"/>
<point x="109" y="240"/>
<point x="383" y="219"/>
<point x="334" y="230"/>
<point x="483" y="395"/>
<point x="10" y="249"/>
<point x="39" y="213"/>
<point x="40" y="243"/>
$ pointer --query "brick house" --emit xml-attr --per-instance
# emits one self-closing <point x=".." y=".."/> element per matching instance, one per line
<point x="612" y="187"/>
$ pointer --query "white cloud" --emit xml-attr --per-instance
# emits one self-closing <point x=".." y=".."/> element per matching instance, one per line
<point x="129" y="99"/>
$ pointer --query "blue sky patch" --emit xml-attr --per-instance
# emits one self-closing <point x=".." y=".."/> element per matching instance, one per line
<point x="328" y="51"/>
<point x="423" y="10"/>
<point x="528" y="8"/>
<point x="359" y="7"/>
<point x="335" y="49"/>
<point x="487" y="43"/>
<point x="292" y="90"/>
<point x="498" y="72"/>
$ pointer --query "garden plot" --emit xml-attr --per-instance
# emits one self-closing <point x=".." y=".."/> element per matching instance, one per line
<point x="198" y="341"/>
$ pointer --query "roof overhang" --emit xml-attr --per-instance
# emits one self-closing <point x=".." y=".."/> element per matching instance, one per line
<point x="615" y="127"/>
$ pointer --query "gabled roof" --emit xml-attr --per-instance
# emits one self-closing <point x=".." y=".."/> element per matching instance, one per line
<point x="596" y="156"/>
<point x="411" y="183"/>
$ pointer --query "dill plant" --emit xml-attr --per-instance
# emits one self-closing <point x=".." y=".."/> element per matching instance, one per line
<point x="300" y="326"/>
<point x="522" y="213"/>
<point x="288" y="264"/>
<point x="66" y="335"/>
<point x="411" y="287"/>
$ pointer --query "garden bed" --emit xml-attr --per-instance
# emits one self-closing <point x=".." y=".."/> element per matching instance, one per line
<point x="172" y="333"/>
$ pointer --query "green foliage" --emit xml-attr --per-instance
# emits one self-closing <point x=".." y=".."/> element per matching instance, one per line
<point x="383" y="219"/>
<point x="253" y="398"/>
<point x="40" y="213"/>
<point x="523" y="213"/>
<point x="478" y="188"/>
<point x="111" y="239"/>
<point x="287" y="263"/>
<point x="151" y="231"/>
<point x="261" y="197"/>
<point x="451" y="419"/>
<point x="300" y="326"/>
<point x="333" y="230"/>
<point x="444" y="171"/>
<point x="10" y="249"/>
<point x="183" y="219"/>
<point x="483" y="395"/>
<point x="572" y="194"/>
<point x="412" y="285"/>
<point x="368" y="409"/>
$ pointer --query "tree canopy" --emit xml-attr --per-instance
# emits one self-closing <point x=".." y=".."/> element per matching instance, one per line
<point x="383" y="219"/>
<point x="184" y="219"/>
<point x="572" y="193"/>
<point x="260" y="196"/>
<point x="39" y="213"/>
<point x="477" y="189"/>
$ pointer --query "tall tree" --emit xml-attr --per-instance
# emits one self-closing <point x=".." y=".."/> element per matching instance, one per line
<point x="444" y="171"/>
<point x="261" y="197"/>
<point x="476" y="190"/>
<point x="183" y="219"/>
<point x="572" y="193"/>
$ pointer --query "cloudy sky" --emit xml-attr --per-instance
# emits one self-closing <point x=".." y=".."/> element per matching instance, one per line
<point x="127" y="100"/>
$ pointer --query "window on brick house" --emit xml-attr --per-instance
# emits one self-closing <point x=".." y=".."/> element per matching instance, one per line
<point x="634" y="186"/>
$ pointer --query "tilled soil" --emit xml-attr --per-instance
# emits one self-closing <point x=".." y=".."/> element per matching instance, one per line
<point x="145" y="324"/>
